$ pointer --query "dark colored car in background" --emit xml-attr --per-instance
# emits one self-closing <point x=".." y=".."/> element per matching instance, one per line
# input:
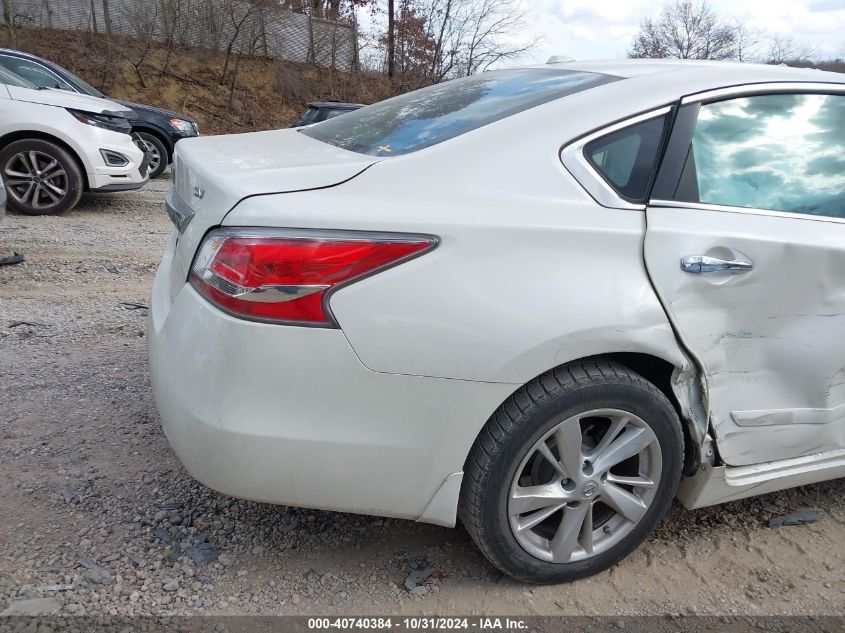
<point x="159" y="128"/>
<point x="322" y="110"/>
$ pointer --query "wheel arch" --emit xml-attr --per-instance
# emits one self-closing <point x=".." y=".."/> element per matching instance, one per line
<point x="682" y="386"/>
<point x="23" y="135"/>
<point x="169" y="146"/>
<point x="677" y="378"/>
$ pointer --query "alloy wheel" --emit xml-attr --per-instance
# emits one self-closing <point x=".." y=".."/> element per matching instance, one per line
<point x="155" y="158"/>
<point x="35" y="179"/>
<point x="584" y="485"/>
<point x="151" y="150"/>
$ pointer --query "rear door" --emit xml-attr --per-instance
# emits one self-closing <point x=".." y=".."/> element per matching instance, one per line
<point x="746" y="248"/>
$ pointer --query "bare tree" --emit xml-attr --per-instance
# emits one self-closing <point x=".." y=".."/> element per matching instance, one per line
<point x="173" y="18"/>
<point x="10" y="17"/>
<point x="444" y="12"/>
<point x="492" y="25"/>
<point x="472" y="35"/>
<point x="391" y="38"/>
<point x="143" y="23"/>
<point x="686" y="29"/>
<point x="328" y="9"/>
<point x="239" y="15"/>
<point x="107" y="16"/>
<point x="748" y="40"/>
<point x="333" y="9"/>
<point x="784" y="50"/>
<point x="94" y="17"/>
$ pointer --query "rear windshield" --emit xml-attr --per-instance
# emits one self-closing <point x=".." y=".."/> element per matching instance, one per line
<point x="425" y="117"/>
<point x="309" y="115"/>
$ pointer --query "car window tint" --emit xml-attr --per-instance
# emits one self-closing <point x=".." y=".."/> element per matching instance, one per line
<point x="330" y="114"/>
<point x="31" y="72"/>
<point x="11" y="79"/>
<point x="431" y="115"/>
<point x="627" y="158"/>
<point x="309" y="116"/>
<point x="777" y="152"/>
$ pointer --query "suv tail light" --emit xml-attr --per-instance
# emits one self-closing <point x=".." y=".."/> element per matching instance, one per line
<point x="286" y="276"/>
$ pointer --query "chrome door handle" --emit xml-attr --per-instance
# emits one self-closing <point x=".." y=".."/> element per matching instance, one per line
<point x="705" y="264"/>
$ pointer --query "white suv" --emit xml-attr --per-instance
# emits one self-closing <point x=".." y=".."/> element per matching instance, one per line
<point x="538" y="299"/>
<point x="55" y="144"/>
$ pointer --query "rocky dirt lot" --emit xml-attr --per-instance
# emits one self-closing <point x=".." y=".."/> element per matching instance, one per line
<point x="98" y="516"/>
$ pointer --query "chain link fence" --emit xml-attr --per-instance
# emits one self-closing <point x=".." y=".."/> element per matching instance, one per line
<point x="236" y="25"/>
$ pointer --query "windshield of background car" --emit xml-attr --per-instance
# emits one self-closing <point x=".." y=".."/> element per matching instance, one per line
<point x="11" y="79"/>
<point x="428" y="116"/>
<point x="78" y="83"/>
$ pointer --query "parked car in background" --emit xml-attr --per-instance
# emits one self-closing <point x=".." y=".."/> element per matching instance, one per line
<point x="322" y="110"/>
<point x="55" y="144"/>
<point x="159" y="127"/>
<point x="538" y="299"/>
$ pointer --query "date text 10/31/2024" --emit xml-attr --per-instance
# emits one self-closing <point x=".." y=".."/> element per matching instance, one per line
<point x="418" y="623"/>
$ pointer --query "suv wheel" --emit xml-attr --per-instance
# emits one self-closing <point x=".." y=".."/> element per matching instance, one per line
<point x="158" y="154"/>
<point x="572" y="473"/>
<point x="41" y="178"/>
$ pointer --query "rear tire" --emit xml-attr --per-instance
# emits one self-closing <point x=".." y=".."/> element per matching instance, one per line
<point x="158" y="159"/>
<point x="543" y="496"/>
<point x="41" y="178"/>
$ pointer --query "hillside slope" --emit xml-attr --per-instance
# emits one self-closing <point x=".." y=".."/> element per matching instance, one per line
<point x="267" y="94"/>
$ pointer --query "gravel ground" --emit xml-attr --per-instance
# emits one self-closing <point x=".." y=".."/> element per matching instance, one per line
<point x="100" y="518"/>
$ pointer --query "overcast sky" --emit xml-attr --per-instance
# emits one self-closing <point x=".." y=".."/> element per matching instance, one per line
<point x="597" y="29"/>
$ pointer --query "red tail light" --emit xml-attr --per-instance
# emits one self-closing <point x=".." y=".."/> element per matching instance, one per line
<point x="287" y="276"/>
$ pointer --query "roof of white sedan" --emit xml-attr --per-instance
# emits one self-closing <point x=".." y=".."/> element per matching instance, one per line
<point x="710" y="73"/>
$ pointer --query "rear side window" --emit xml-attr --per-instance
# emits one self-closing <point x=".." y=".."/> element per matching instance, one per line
<point x="425" y="117"/>
<point x="781" y="152"/>
<point x="627" y="159"/>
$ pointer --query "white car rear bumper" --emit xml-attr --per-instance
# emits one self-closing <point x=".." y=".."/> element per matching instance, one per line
<point x="289" y="415"/>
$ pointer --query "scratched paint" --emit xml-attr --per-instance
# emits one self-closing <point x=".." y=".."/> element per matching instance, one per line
<point x="771" y="340"/>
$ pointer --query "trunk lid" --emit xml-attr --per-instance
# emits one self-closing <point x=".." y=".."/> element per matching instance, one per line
<point x="211" y="174"/>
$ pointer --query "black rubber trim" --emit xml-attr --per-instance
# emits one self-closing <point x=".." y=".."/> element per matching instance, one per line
<point x="675" y="156"/>
<point x="130" y="186"/>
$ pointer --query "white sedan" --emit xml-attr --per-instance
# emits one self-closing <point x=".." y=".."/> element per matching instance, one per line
<point x="535" y="299"/>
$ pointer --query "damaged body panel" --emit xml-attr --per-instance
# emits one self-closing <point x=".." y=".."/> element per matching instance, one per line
<point x="711" y="485"/>
<point x="746" y="249"/>
<point x="691" y="395"/>
<point x="785" y="373"/>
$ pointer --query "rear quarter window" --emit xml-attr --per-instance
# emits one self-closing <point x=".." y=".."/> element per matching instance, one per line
<point x="425" y="117"/>
<point x="627" y="159"/>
